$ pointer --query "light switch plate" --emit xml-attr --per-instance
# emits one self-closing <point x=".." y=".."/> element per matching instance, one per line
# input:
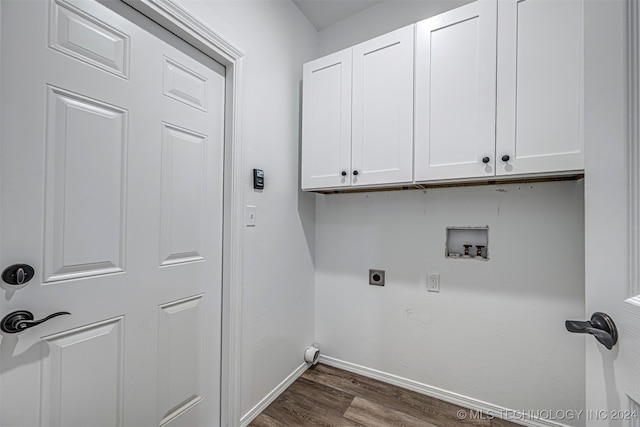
<point x="250" y="216"/>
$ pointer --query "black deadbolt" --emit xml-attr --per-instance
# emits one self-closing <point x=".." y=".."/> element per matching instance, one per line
<point x="18" y="274"/>
<point x="376" y="277"/>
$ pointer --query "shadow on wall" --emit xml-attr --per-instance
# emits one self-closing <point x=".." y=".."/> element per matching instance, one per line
<point x="306" y="200"/>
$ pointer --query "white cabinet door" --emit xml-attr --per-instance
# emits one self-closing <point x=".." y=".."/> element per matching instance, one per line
<point x="540" y="86"/>
<point x="382" y="142"/>
<point x="326" y="122"/>
<point x="456" y="93"/>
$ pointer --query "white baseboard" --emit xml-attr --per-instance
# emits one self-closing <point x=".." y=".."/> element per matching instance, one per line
<point x="519" y="417"/>
<point x="262" y="405"/>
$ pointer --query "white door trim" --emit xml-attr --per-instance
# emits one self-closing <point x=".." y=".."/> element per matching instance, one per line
<point x="631" y="349"/>
<point x="179" y="21"/>
<point x="633" y="147"/>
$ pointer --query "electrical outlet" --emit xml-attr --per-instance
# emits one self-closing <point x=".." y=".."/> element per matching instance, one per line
<point x="433" y="283"/>
<point x="376" y="277"/>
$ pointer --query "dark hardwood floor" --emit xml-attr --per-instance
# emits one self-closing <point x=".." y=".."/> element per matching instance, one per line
<point x="327" y="396"/>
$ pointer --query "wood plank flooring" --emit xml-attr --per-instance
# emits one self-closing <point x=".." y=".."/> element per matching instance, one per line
<point x="331" y="397"/>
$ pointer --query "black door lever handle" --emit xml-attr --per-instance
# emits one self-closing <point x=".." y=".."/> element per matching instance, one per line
<point x="600" y="326"/>
<point x="21" y="320"/>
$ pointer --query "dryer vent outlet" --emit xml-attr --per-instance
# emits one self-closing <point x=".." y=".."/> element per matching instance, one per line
<point x="376" y="277"/>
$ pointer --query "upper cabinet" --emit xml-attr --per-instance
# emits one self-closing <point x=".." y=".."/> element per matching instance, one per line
<point x="357" y="120"/>
<point x="522" y="117"/>
<point x="455" y="87"/>
<point x="382" y="117"/>
<point x="496" y="88"/>
<point x="540" y="87"/>
<point x="326" y="122"/>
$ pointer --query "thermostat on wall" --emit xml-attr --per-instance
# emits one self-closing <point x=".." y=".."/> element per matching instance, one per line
<point x="258" y="179"/>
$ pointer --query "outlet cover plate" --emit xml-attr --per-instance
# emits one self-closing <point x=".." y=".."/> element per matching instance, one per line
<point x="433" y="283"/>
<point x="376" y="277"/>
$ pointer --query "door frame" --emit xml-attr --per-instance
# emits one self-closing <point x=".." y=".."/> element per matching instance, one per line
<point x="183" y="24"/>
<point x="633" y="10"/>
<point x="631" y="351"/>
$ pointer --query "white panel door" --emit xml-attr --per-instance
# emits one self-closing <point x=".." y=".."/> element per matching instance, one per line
<point x="382" y="142"/>
<point x="111" y="188"/>
<point x="326" y="122"/>
<point x="540" y="87"/>
<point x="456" y="93"/>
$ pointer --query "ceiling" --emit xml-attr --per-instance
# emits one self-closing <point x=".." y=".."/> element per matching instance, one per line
<point x="323" y="13"/>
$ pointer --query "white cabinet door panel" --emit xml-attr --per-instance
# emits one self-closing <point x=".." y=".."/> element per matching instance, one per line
<point x="540" y="86"/>
<point x="382" y="142"/>
<point x="455" y="93"/>
<point x="326" y="122"/>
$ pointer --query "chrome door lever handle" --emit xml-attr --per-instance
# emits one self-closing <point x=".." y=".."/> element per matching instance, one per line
<point x="21" y="320"/>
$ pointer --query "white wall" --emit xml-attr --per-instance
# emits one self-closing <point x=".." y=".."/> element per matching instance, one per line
<point x="380" y="19"/>
<point x="495" y="332"/>
<point x="278" y="270"/>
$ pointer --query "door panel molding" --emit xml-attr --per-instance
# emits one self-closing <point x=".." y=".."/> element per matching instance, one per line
<point x="179" y="21"/>
<point x="184" y="85"/>
<point x="105" y="340"/>
<point x="77" y="34"/>
<point x="181" y="357"/>
<point x="94" y="131"/>
<point x="183" y="202"/>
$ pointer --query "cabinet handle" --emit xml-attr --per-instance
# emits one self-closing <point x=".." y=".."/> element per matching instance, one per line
<point x="355" y="173"/>
<point x="486" y="160"/>
<point x="343" y="173"/>
<point x="505" y="158"/>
